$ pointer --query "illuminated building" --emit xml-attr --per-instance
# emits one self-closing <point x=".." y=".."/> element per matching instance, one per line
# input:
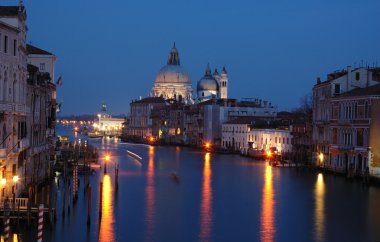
<point x="107" y="125"/>
<point x="346" y="120"/>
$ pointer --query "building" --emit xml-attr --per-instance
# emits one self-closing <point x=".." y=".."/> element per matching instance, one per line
<point x="13" y="108"/>
<point x="41" y="101"/>
<point x="106" y="125"/>
<point x="355" y="128"/>
<point x="172" y="81"/>
<point x="42" y="59"/>
<point x="249" y="133"/>
<point x="212" y="86"/>
<point x="140" y="120"/>
<point x="344" y="121"/>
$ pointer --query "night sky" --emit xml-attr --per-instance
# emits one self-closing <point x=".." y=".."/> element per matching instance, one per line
<point x="111" y="50"/>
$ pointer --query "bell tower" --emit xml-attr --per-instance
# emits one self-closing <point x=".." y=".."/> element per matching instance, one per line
<point x="223" y="81"/>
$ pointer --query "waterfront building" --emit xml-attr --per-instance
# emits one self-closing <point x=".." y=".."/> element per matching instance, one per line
<point x="344" y="120"/>
<point x="216" y="112"/>
<point x="212" y="86"/>
<point x="106" y="125"/>
<point x="247" y="134"/>
<point x="355" y="131"/>
<point x="140" y="120"/>
<point x="41" y="101"/>
<point x="13" y="108"/>
<point x="172" y="81"/>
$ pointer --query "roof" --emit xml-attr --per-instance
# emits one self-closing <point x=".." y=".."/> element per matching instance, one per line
<point x="9" y="10"/>
<point x="151" y="100"/>
<point x="368" y="91"/>
<point x="36" y="51"/>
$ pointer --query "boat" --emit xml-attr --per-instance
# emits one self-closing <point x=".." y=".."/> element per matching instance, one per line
<point x="95" y="166"/>
<point x="175" y="177"/>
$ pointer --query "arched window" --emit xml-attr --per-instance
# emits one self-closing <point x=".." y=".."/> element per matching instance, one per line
<point x="203" y="94"/>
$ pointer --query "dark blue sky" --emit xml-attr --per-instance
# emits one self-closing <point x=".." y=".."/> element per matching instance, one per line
<point x="111" y="50"/>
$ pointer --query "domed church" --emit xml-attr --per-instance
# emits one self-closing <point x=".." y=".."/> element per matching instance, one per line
<point x="212" y="86"/>
<point x="172" y="81"/>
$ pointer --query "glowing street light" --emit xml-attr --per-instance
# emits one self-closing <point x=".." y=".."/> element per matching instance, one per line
<point x="321" y="157"/>
<point x="207" y="145"/>
<point x="3" y="181"/>
<point x="15" y="178"/>
<point x="107" y="158"/>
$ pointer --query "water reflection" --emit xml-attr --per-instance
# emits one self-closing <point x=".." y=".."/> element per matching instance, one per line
<point x="150" y="196"/>
<point x="206" y="202"/>
<point x="107" y="232"/>
<point x="268" y="228"/>
<point x="319" y="209"/>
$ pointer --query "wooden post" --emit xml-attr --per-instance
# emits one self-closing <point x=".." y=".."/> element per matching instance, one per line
<point x="89" y="205"/>
<point x="7" y="230"/>
<point x="100" y="199"/>
<point x="116" y="177"/>
<point x="28" y="215"/>
<point x="40" y="222"/>
<point x="64" y="200"/>
<point x="55" y="207"/>
<point x="18" y="216"/>
<point x="69" y="201"/>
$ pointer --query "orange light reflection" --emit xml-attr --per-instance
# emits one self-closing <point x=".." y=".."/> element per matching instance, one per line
<point x="319" y="209"/>
<point x="268" y="229"/>
<point x="206" y="202"/>
<point x="150" y="196"/>
<point x="107" y="232"/>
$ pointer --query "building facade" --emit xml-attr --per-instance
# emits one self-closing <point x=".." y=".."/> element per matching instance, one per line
<point x="140" y="118"/>
<point x="172" y="81"/>
<point x="13" y="88"/>
<point x="333" y="145"/>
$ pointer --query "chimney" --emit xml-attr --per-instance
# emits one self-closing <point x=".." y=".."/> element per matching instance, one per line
<point x="265" y="104"/>
<point x="318" y="80"/>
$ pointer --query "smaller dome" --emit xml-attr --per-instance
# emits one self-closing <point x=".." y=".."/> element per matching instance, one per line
<point x="208" y="82"/>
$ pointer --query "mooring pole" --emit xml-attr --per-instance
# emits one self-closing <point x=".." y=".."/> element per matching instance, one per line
<point x="89" y="205"/>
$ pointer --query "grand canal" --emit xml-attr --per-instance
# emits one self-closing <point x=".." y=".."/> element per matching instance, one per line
<point x="218" y="198"/>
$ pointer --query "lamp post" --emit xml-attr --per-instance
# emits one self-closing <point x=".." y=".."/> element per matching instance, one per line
<point x="321" y="159"/>
<point x="107" y="158"/>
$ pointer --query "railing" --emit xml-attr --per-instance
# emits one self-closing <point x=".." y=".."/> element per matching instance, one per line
<point x="22" y="201"/>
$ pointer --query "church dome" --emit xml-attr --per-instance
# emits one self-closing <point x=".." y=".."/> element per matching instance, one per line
<point x="208" y="82"/>
<point x="173" y="73"/>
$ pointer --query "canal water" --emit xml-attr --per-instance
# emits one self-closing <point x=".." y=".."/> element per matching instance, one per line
<point x="217" y="198"/>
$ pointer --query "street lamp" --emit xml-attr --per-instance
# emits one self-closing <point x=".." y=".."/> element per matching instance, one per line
<point x="321" y="157"/>
<point x="107" y="158"/>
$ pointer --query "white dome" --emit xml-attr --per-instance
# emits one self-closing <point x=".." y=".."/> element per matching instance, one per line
<point x="172" y="74"/>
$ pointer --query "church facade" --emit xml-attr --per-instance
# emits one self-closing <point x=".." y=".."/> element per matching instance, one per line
<point x="173" y="82"/>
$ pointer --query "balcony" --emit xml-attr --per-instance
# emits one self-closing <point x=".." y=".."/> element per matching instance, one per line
<point x="10" y="107"/>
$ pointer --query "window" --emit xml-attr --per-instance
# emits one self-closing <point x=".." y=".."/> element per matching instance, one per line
<point x="335" y="136"/>
<point x="14" y="47"/>
<point x="359" y="137"/>
<point x="337" y="89"/>
<point x="5" y="44"/>
<point x="1" y="38"/>
<point x="42" y="66"/>
<point x="357" y="76"/>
